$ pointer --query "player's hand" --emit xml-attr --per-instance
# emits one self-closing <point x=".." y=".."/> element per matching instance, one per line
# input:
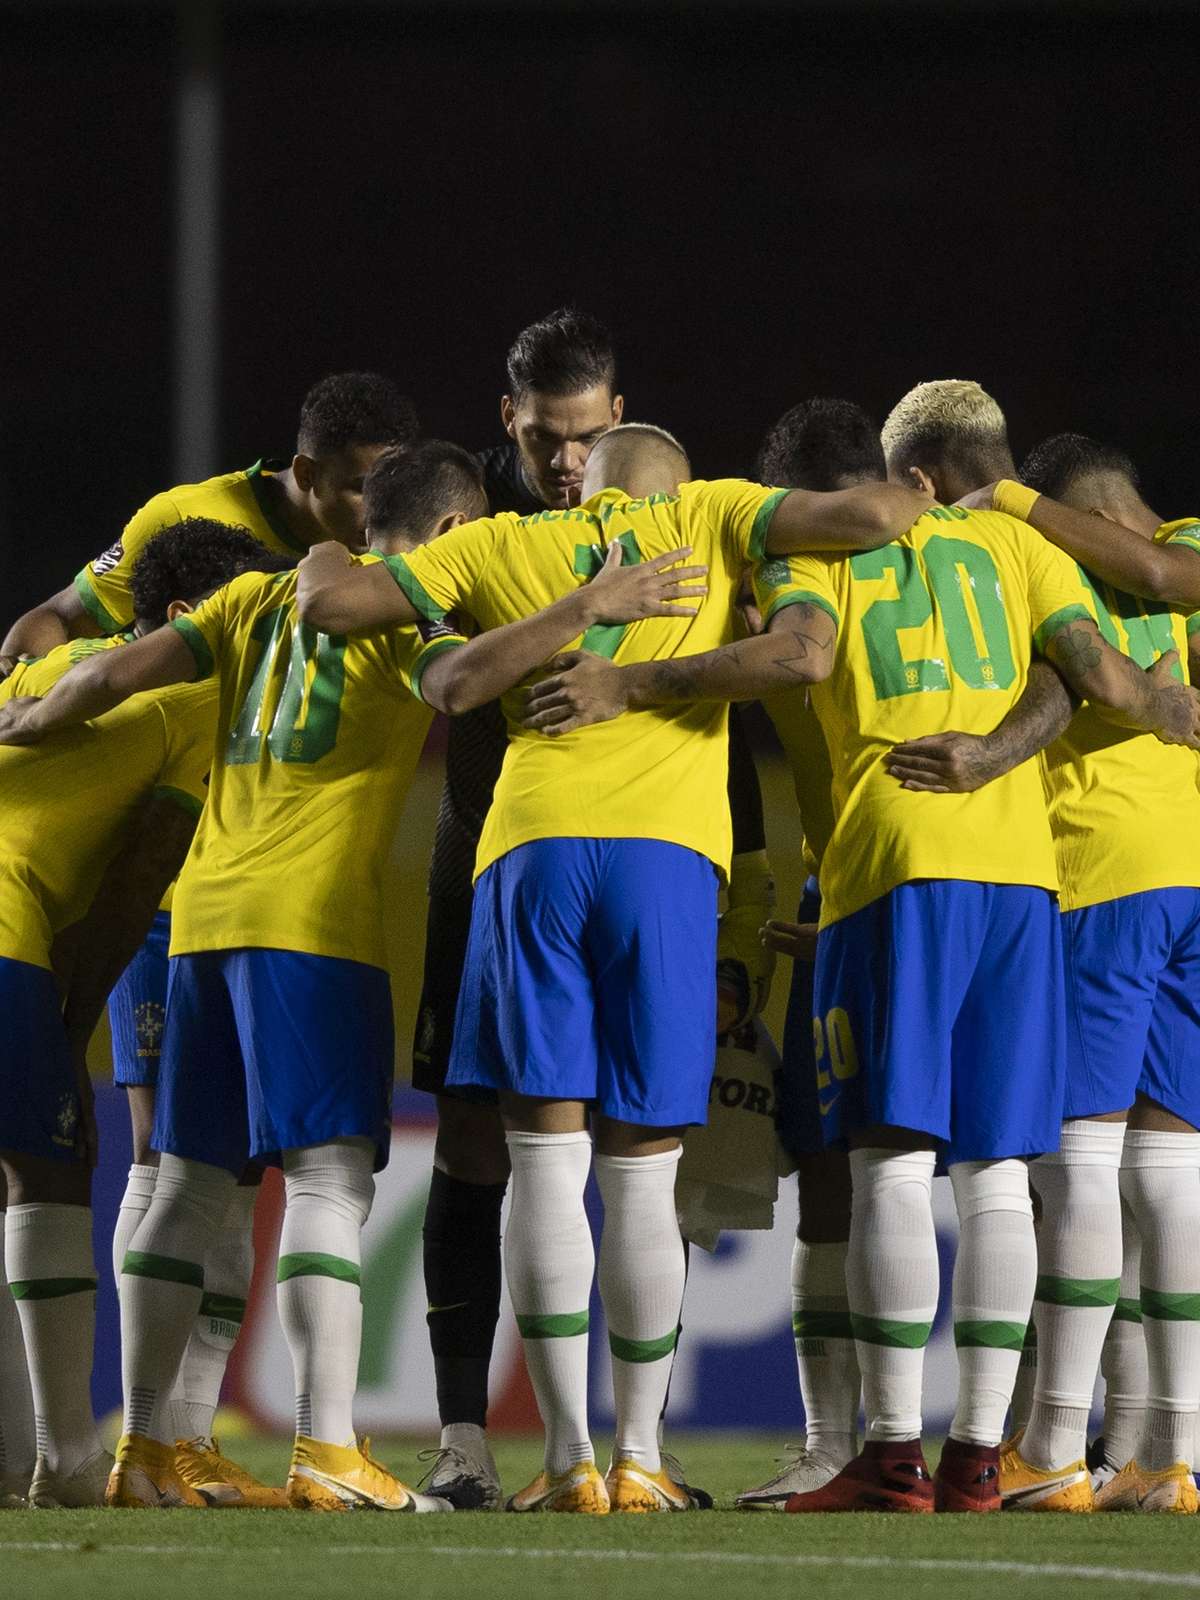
<point x="795" y="939"/>
<point x="16" y="725"/>
<point x="584" y="688"/>
<point x="328" y="556"/>
<point x="8" y="664"/>
<point x="942" y="763"/>
<point x="658" y="588"/>
<point x="1179" y="705"/>
<point x="978" y="499"/>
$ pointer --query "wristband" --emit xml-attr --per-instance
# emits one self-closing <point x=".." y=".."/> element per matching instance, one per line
<point x="1016" y="499"/>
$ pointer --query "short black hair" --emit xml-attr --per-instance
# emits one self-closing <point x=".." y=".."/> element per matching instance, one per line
<point x="563" y="353"/>
<point x="349" y="408"/>
<point x="1058" y="462"/>
<point x="189" y="559"/>
<point x="821" y="444"/>
<point x="409" y="489"/>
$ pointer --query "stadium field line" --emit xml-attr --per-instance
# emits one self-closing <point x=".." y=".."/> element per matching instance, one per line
<point x="725" y="1558"/>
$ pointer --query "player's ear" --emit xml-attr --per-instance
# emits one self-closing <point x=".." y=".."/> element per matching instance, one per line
<point x="508" y="415"/>
<point x="618" y="409"/>
<point x="304" y="470"/>
<point x="920" y="479"/>
<point x="178" y="608"/>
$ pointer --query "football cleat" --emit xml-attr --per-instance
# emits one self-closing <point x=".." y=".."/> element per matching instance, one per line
<point x="967" y="1478"/>
<point x="882" y="1477"/>
<point x="580" y="1489"/>
<point x="463" y="1471"/>
<point x="70" y="1490"/>
<point x="673" y="1467"/>
<point x="222" y="1482"/>
<point x="14" y="1491"/>
<point x="1024" y="1487"/>
<point x="144" y="1475"/>
<point x="632" y="1487"/>
<point x="802" y="1471"/>
<point x="1171" y="1489"/>
<point x="333" y="1477"/>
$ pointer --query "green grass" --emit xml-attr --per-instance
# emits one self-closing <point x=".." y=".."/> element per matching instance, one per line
<point x="182" y="1555"/>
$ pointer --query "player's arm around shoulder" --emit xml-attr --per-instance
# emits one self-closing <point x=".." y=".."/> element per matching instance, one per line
<point x="861" y="518"/>
<point x="336" y="594"/>
<point x="60" y="618"/>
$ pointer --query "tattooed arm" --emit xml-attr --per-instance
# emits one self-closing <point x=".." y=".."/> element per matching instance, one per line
<point x="1119" y="689"/>
<point x="797" y="650"/>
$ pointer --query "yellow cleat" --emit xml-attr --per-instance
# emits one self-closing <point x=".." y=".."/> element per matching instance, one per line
<point x="580" y="1489"/>
<point x="1024" y="1487"/>
<point x="144" y="1476"/>
<point x="632" y="1487"/>
<point x="334" y="1477"/>
<point x="1171" y="1489"/>
<point x="222" y="1482"/>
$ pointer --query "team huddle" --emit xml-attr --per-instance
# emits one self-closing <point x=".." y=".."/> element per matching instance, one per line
<point x="980" y="679"/>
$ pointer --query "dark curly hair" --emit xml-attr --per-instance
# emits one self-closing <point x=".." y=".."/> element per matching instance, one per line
<point x="1058" y="462"/>
<point x="821" y="444"/>
<point x="563" y="353"/>
<point x="191" y="558"/>
<point x="349" y="408"/>
<point x="411" y="489"/>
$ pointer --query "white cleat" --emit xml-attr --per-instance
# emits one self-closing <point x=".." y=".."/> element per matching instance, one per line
<point x="51" y="1491"/>
<point x="464" y="1471"/>
<point x="802" y="1472"/>
<point x="14" y="1491"/>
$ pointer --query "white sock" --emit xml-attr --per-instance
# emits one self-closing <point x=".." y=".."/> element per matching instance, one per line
<point x="135" y="1202"/>
<point x="228" y="1269"/>
<point x="549" y="1262"/>
<point x="641" y="1284"/>
<point x="1160" y="1179"/>
<point x="18" y="1447"/>
<point x="830" y="1382"/>
<point x="1123" y="1359"/>
<point x="1079" y="1273"/>
<point x="1025" y="1382"/>
<point x="994" y="1276"/>
<point x="162" y="1282"/>
<point x="52" y="1271"/>
<point x="329" y="1191"/>
<point x="892" y="1276"/>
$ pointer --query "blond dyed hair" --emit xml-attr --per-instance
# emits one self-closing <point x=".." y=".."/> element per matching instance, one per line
<point x="950" y="416"/>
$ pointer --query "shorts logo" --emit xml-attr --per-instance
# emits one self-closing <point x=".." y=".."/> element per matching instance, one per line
<point x="66" y="1119"/>
<point x="148" y="1019"/>
<point x="111" y="558"/>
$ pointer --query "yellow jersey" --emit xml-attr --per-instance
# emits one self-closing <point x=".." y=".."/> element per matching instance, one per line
<point x="658" y="774"/>
<point x="65" y="803"/>
<point x="317" y="739"/>
<point x="1124" y="808"/>
<point x="238" y="498"/>
<point x="934" y="632"/>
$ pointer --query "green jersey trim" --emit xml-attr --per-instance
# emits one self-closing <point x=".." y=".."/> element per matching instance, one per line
<point x="190" y="804"/>
<point x="430" y="653"/>
<point x="94" y="606"/>
<point x="1193" y="624"/>
<point x="424" y="604"/>
<point x="762" y="523"/>
<point x="270" y="513"/>
<point x="196" y="643"/>
<point x="1058" y="621"/>
<point x="797" y="597"/>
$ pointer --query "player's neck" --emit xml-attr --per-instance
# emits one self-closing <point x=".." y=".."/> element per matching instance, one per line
<point x="291" y="504"/>
<point x="1135" y="515"/>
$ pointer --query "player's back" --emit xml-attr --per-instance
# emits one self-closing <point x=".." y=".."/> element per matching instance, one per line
<point x="317" y="739"/>
<point x="935" y="632"/>
<point x="64" y="804"/>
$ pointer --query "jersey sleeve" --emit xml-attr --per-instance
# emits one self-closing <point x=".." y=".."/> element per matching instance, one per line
<point x="104" y="584"/>
<point x="795" y="580"/>
<point x="1187" y="533"/>
<point x="204" y="630"/>
<point x="739" y="514"/>
<point x="447" y="571"/>
<point x="190" y="718"/>
<point x="1056" y="594"/>
<point x="414" y="648"/>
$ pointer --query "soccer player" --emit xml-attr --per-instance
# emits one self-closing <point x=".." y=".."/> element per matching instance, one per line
<point x="590" y="972"/>
<point x="279" y="1032"/>
<point x="954" y="899"/>
<point x="92" y="828"/>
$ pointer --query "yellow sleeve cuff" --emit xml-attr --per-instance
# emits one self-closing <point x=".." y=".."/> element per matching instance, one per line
<point x="1016" y="499"/>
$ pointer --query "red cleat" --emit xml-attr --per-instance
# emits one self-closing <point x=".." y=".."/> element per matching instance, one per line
<point x="967" y="1478"/>
<point x="885" y="1477"/>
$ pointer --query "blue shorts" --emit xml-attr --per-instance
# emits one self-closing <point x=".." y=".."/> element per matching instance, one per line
<point x="591" y="975"/>
<point x="39" y="1100"/>
<point x="941" y="1008"/>
<point x="798" y="1108"/>
<point x="1133" y="1003"/>
<point x="137" y="1008"/>
<point x="273" y="1050"/>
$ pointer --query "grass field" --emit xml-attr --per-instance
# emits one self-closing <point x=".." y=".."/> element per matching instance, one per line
<point x="183" y="1555"/>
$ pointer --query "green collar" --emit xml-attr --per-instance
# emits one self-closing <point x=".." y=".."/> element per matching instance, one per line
<point x="255" y="477"/>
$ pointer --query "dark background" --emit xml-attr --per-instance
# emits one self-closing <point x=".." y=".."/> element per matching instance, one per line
<point x="764" y="202"/>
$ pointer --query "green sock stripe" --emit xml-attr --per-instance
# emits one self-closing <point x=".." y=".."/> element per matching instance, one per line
<point x="821" y="1325"/>
<point x="892" y="1335"/>
<point x="562" y="1325"/>
<point x="1030" y="1340"/>
<point x="1128" y="1309"/>
<point x="1081" y="1293"/>
<point x="51" y="1288"/>
<point x="225" y="1307"/>
<point x="989" y="1335"/>
<point x="641" y="1350"/>
<point x="315" y="1264"/>
<point x="1165" y="1306"/>
<point x="139" y="1264"/>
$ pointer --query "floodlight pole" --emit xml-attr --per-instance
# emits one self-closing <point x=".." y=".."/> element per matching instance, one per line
<point x="196" y="310"/>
